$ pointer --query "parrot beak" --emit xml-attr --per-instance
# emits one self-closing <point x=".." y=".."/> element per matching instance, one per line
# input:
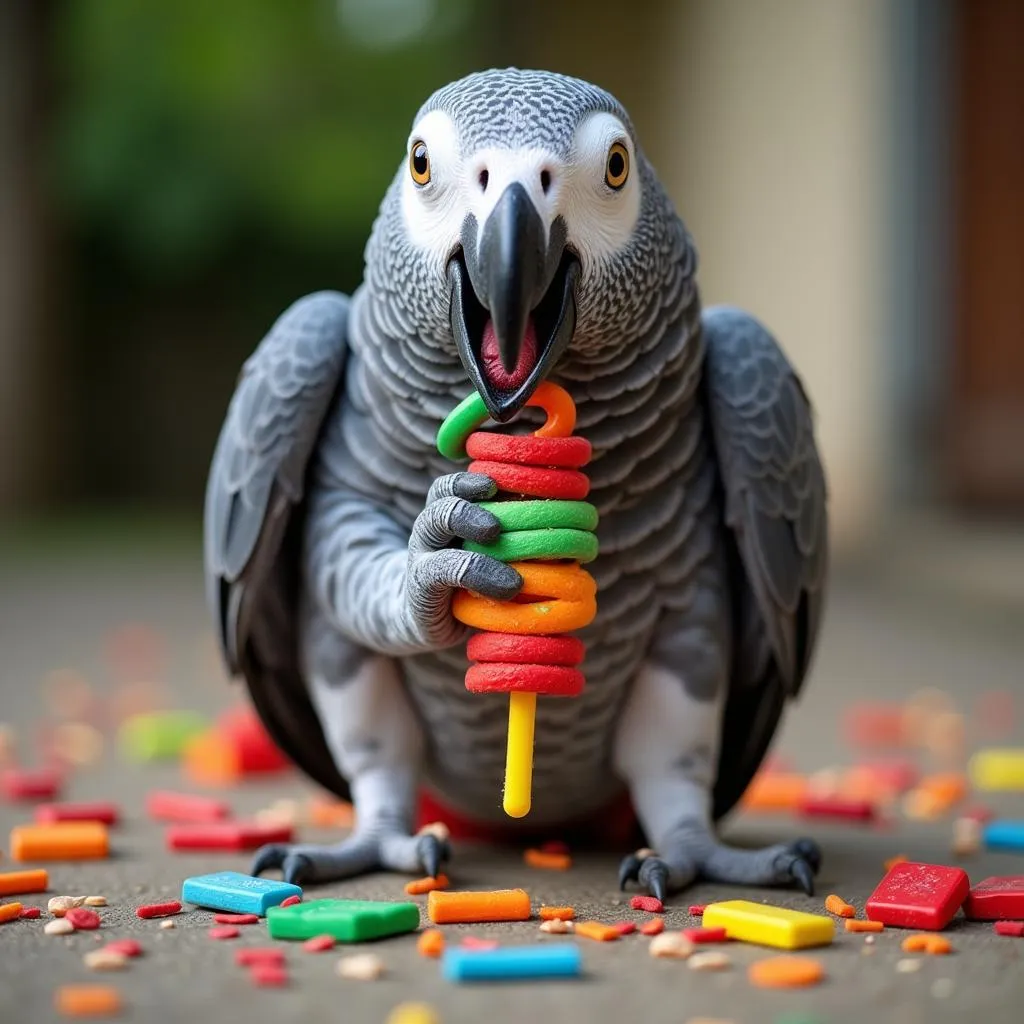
<point x="513" y="306"/>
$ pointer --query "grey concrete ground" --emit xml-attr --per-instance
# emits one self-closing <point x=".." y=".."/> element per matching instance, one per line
<point x="877" y="645"/>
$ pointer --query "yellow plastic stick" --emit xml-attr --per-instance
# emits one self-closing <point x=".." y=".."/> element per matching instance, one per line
<point x="522" y="709"/>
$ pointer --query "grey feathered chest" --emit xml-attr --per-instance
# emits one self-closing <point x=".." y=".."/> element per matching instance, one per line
<point x="653" y="484"/>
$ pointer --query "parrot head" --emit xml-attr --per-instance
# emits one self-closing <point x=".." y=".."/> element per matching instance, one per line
<point x="527" y="216"/>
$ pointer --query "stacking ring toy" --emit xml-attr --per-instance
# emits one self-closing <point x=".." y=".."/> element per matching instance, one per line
<point x="522" y="650"/>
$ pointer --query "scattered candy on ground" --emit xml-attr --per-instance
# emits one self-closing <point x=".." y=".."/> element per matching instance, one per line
<point x="671" y="945"/>
<point x="648" y="903"/>
<point x="625" y="927"/>
<point x="319" y="944"/>
<point x="478" y="907"/>
<point x="838" y="906"/>
<point x="785" y="972"/>
<point x="224" y="931"/>
<point x="59" y="926"/>
<point x="550" y="913"/>
<point x="706" y="934"/>
<point x="547" y="861"/>
<point x="863" y="926"/>
<point x="20" y="883"/>
<point x="934" y="944"/>
<point x="83" y="919"/>
<point x="709" y="960"/>
<point x="431" y="943"/>
<point x="364" y="967"/>
<point x="1011" y="929"/>
<point x="168" y="908"/>
<point x="653" y="927"/>
<point x="556" y="926"/>
<point x="225" y="918"/>
<point x="105" y="960"/>
<point x="597" y="931"/>
<point x="87" y="1001"/>
<point x="421" y="886"/>
<point x="254" y="955"/>
<point x="413" y="1013"/>
<point x="66" y="840"/>
<point x="10" y="912"/>
<point x="290" y="901"/>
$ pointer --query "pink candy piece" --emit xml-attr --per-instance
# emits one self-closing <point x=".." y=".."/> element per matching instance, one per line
<point x="158" y="909"/>
<point x="648" y="903"/>
<point x="697" y="909"/>
<point x="253" y="956"/>
<point x="236" y="918"/>
<point x="472" y="942"/>
<point x="268" y="976"/>
<point x="1011" y="929"/>
<point x="291" y="901"/>
<point x="705" y="934"/>
<point x="83" y="919"/>
<point x="226" y="931"/>
<point x="319" y="944"/>
<point x="30" y="912"/>
<point x="126" y="947"/>
<point x="625" y="927"/>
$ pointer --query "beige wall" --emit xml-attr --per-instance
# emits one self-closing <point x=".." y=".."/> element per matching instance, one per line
<point x="773" y="147"/>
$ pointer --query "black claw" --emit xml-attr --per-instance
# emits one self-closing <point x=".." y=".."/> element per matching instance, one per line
<point x="270" y="856"/>
<point x="296" y="868"/>
<point x="809" y="850"/>
<point x="629" y="870"/>
<point x="803" y="872"/>
<point x="654" y="875"/>
<point x="433" y="853"/>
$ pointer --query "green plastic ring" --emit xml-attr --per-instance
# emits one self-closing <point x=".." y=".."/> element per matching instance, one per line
<point x="469" y="414"/>
<point x="545" y="514"/>
<point x="524" y="545"/>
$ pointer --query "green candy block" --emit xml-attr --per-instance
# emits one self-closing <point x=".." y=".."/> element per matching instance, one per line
<point x="346" y="920"/>
<point x="159" y="735"/>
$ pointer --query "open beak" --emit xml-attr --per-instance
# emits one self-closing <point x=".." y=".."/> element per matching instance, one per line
<point x="513" y="305"/>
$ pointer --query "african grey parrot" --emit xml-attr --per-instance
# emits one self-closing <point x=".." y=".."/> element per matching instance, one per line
<point x="525" y="237"/>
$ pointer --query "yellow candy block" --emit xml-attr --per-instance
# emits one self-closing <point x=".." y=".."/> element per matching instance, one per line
<point x="998" y="769"/>
<point x="769" y="926"/>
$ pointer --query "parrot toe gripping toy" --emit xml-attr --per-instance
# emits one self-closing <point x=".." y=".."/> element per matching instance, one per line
<point x="525" y="239"/>
<point x="522" y="652"/>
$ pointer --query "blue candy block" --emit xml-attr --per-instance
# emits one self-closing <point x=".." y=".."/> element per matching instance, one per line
<point x="235" y="892"/>
<point x="513" y="962"/>
<point x="1005" y="835"/>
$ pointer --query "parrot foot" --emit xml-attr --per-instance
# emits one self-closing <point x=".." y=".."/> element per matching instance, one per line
<point x="703" y="855"/>
<point x="300" y="863"/>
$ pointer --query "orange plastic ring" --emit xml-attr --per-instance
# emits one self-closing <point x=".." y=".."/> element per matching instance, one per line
<point x="558" y="404"/>
<point x="571" y="603"/>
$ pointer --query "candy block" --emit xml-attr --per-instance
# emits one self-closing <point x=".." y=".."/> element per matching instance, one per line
<point x="1011" y="929"/>
<point x="235" y="892"/>
<point x="73" y="840"/>
<point x="513" y="963"/>
<point x="165" y="805"/>
<point x="30" y="784"/>
<point x="100" y="810"/>
<point x="345" y="920"/>
<point x="1005" y="835"/>
<point x="16" y="883"/>
<point x="158" y="735"/>
<point x="226" y="835"/>
<point x="837" y="807"/>
<point x="914" y="895"/>
<point x="995" y="899"/>
<point x="769" y="926"/>
<point x="996" y="769"/>
<point x="472" y="907"/>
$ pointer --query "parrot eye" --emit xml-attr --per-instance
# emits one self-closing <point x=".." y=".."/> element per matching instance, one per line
<point x="616" y="168"/>
<point x="419" y="164"/>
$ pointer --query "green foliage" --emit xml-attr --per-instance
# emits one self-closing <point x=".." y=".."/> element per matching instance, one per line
<point x="185" y="125"/>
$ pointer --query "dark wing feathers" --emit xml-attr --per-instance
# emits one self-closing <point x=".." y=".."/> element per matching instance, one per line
<point x="259" y="465"/>
<point x="775" y="508"/>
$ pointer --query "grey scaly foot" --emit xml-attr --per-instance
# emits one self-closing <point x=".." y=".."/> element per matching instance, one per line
<point x="426" y="852"/>
<point x="695" y="852"/>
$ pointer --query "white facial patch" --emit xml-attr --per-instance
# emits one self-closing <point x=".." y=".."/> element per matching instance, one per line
<point x="600" y="219"/>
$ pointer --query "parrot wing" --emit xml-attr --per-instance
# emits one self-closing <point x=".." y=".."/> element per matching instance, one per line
<point x="255" y="489"/>
<point x="775" y="509"/>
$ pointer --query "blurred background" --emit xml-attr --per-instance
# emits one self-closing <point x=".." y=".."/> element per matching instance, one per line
<point x="172" y="175"/>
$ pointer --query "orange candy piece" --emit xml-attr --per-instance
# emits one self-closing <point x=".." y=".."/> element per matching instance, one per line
<point x="547" y="861"/>
<point x="864" y="926"/>
<point x="425" y="885"/>
<point x="559" y="913"/>
<point x="775" y="791"/>
<point x="474" y="907"/>
<point x="66" y="840"/>
<point x="15" y="883"/>
<point x="936" y="945"/>
<point x="431" y="943"/>
<point x="9" y="912"/>
<point x="785" y="972"/>
<point x="87" y="1000"/>
<point x="838" y="906"/>
<point x="597" y="931"/>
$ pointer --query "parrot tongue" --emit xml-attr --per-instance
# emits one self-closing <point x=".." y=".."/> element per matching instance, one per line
<point x="497" y="376"/>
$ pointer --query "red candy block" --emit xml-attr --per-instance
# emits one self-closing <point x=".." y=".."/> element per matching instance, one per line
<point x="624" y="927"/>
<point x="124" y="947"/>
<point x="1011" y="929"/>
<point x="997" y="898"/>
<point x="550" y="452"/>
<point x="83" y="919"/>
<point x="226" y="931"/>
<point x="319" y="944"/>
<point x="705" y="934"/>
<point x="30" y="912"/>
<point x="648" y="903"/>
<point x="254" y="956"/>
<point x="923" y="896"/>
<point x="158" y="909"/>
<point x="236" y="918"/>
<point x="697" y="909"/>
<point x="30" y="784"/>
<point x="525" y="650"/>
<point x="549" y="680"/>
<point x="164" y="805"/>
<point x="533" y="482"/>
<point x="226" y="835"/>
<point x="837" y="807"/>
<point x="49" y="814"/>
<point x="291" y="901"/>
<point x="268" y="976"/>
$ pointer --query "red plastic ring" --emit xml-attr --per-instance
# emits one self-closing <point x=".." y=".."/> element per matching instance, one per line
<point x="533" y="481"/>
<point x="549" y="680"/>
<point x="570" y="452"/>
<point x="525" y="650"/>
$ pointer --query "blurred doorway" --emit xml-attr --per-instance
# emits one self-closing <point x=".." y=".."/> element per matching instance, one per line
<point x="985" y="428"/>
